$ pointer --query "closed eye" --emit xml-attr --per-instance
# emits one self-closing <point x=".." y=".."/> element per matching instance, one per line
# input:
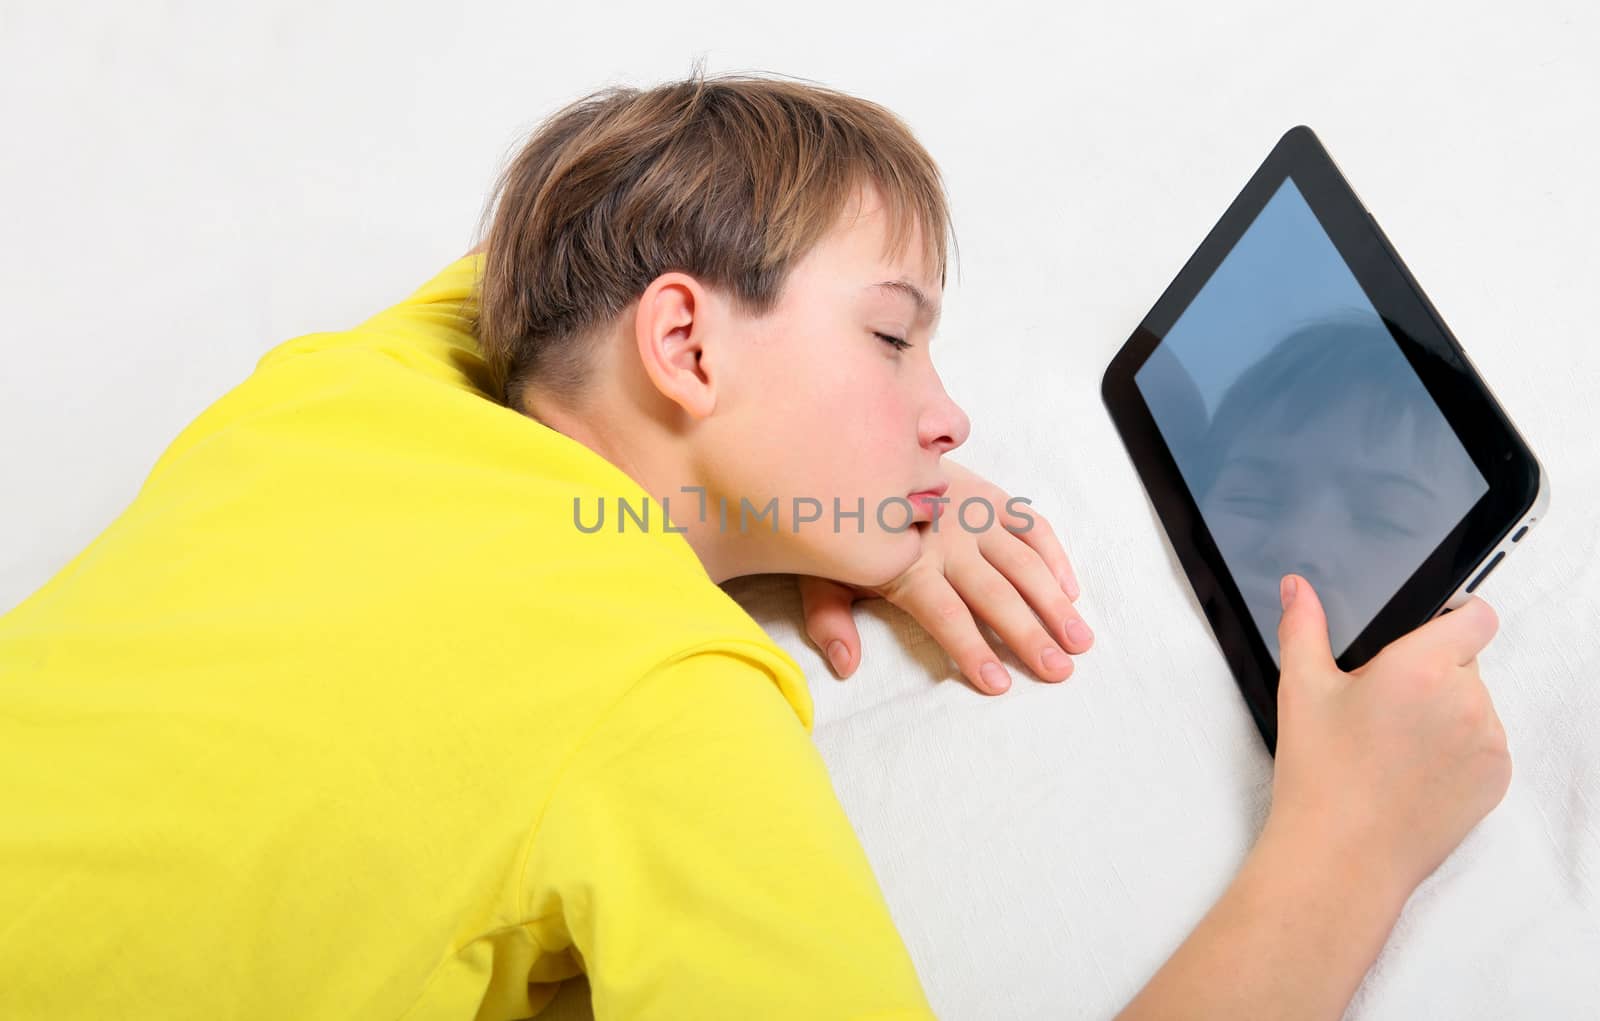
<point x="1385" y="527"/>
<point x="899" y="344"/>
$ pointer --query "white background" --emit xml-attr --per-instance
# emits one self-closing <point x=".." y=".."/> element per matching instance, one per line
<point x="182" y="186"/>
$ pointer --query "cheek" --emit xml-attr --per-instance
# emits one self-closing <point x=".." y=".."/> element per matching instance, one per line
<point x="884" y="419"/>
<point x="796" y="437"/>
<point x="851" y="407"/>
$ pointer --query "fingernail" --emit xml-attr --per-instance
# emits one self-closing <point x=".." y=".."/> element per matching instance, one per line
<point x="1079" y="632"/>
<point x="839" y="656"/>
<point x="1054" y="659"/>
<point x="994" y="676"/>
<point x="1286" y="590"/>
<point x="1069" y="585"/>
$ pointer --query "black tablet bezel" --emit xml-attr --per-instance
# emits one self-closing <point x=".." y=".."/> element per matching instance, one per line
<point x="1491" y="440"/>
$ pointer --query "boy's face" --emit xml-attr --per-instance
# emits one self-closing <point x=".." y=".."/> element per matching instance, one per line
<point x="819" y="407"/>
<point x="1354" y="517"/>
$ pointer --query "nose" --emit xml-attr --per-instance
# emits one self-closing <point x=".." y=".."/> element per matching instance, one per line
<point x="943" y="426"/>
<point x="1306" y="539"/>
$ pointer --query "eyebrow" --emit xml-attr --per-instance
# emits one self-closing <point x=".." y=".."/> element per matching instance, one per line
<point x="924" y="305"/>
<point x="1270" y="467"/>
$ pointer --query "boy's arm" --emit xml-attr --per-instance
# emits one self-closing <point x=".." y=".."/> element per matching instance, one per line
<point x="1292" y="937"/>
<point x="697" y="859"/>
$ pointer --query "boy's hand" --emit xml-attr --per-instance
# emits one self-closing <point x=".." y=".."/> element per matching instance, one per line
<point x="997" y="575"/>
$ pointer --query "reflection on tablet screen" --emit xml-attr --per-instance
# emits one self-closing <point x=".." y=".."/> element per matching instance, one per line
<point x="1307" y="441"/>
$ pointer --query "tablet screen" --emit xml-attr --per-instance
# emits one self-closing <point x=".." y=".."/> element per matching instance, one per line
<point x="1307" y="441"/>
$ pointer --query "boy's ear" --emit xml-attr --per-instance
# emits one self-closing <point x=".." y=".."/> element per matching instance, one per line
<point x="670" y="327"/>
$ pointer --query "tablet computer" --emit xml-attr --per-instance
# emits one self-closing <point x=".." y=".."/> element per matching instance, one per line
<point x="1293" y="403"/>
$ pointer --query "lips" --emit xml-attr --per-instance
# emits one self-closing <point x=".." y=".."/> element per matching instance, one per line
<point x="922" y="502"/>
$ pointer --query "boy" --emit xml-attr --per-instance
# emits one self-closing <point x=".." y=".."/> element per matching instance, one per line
<point x="352" y="714"/>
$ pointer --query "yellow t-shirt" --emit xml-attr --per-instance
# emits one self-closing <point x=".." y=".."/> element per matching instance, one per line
<point x="343" y="717"/>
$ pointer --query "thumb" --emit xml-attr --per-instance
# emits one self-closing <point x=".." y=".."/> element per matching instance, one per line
<point x="1303" y="628"/>
<point x="830" y="624"/>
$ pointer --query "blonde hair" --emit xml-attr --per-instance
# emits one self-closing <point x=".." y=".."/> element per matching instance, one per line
<point x="731" y="179"/>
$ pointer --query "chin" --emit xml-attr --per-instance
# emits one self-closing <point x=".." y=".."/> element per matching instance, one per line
<point x="875" y="560"/>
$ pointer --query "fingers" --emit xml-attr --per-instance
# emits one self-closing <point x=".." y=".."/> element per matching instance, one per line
<point x="996" y="599"/>
<point x="1303" y="629"/>
<point x="830" y="624"/>
<point x="1031" y="576"/>
<point x="1458" y="636"/>
<point x="942" y="612"/>
<point x="1033" y="530"/>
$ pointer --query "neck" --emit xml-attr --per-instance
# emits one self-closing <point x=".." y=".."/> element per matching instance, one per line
<point x="659" y="464"/>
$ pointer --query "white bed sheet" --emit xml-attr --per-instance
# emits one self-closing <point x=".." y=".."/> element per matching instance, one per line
<point x="182" y="191"/>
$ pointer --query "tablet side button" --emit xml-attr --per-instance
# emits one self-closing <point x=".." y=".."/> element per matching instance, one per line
<point x="1485" y="573"/>
<point x="1520" y="533"/>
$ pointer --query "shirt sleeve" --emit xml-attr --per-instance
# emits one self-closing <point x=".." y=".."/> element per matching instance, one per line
<point x="701" y="865"/>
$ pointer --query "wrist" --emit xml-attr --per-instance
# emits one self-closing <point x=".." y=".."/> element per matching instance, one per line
<point x="1355" y="876"/>
<point x="1293" y="936"/>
